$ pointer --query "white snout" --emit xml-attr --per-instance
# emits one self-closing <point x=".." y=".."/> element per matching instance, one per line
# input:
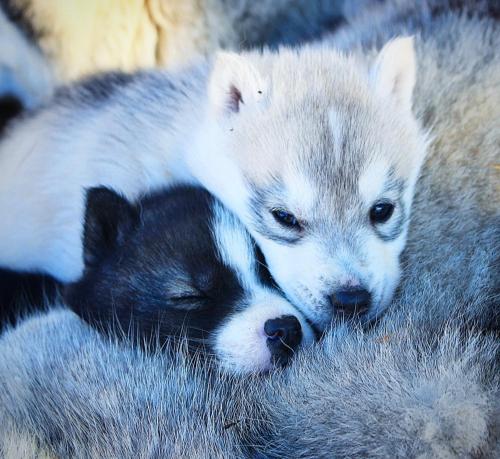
<point x="241" y="343"/>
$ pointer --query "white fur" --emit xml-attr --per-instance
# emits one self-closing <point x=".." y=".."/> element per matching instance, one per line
<point x="234" y="246"/>
<point x="232" y="71"/>
<point x="394" y="72"/>
<point x="241" y="341"/>
<point x="372" y="180"/>
<point x="300" y="192"/>
<point x="44" y="171"/>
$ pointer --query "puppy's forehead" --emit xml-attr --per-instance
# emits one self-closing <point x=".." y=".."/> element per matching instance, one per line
<point x="298" y="190"/>
<point x="347" y="171"/>
<point x="324" y="145"/>
<point x="373" y="179"/>
<point x="326" y="169"/>
<point x="318" y="167"/>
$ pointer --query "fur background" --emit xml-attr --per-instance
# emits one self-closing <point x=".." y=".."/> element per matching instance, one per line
<point x="81" y="37"/>
<point x="422" y="382"/>
<point x="46" y="44"/>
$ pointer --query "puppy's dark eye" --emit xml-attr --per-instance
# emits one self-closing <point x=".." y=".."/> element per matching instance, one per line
<point x="285" y="218"/>
<point x="381" y="212"/>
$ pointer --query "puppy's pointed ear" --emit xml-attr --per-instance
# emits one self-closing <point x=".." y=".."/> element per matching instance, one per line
<point x="109" y="217"/>
<point x="234" y="84"/>
<point x="394" y="70"/>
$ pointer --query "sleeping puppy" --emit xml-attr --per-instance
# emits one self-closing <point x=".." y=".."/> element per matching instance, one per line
<point x="179" y="265"/>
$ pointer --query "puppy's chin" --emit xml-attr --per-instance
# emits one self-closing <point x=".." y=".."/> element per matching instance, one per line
<point x="252" y="358"/>
<point x="242" y="345"/>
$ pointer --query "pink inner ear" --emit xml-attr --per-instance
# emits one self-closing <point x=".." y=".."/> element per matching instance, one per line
<point x="234" y="99"/>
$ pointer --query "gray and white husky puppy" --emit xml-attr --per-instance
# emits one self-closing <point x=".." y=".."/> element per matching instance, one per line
<point x="316" y="152"/>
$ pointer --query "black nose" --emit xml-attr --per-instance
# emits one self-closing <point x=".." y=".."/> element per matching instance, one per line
<point x="351" y="301"/>
<point x="284" y="335"/>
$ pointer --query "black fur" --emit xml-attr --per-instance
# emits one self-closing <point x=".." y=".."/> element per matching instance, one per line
<point x="10" y="107"/>
<point x="152" y="269"/>
<point x="22" y="293"/>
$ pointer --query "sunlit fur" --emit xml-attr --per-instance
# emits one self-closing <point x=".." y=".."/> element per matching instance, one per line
<point x="81" y="37"/>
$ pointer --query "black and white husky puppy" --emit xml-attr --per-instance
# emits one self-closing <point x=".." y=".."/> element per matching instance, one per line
<point x="178" y="264"/>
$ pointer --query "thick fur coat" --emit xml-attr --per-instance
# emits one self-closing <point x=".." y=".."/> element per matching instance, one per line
<point x="422" y="382"/>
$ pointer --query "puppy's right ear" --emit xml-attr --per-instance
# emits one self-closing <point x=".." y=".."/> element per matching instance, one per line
<point x="394" y="71"/>
<point x="109" y="217"/>
<point x="235" y="84"/>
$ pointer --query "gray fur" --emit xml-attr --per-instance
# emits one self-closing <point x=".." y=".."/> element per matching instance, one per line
<point x="456" y="207"/>
<point x="24" y="71"/>
<point x="395" y="391"/>
<point x="141" y="407"/>
<point x="422" y="382"/>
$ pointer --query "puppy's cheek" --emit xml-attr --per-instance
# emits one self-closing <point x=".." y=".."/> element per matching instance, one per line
<point x="385" y="272"/>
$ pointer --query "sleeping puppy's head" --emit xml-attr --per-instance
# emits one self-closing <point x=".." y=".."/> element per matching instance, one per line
<point x="179" y="265"/>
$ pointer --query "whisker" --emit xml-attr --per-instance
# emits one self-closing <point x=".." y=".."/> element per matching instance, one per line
<point x="286" y="345"/>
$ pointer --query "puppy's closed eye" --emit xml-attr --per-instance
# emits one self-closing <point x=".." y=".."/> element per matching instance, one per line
<point x="185" y="297"/>
<point x="187" y="301"/>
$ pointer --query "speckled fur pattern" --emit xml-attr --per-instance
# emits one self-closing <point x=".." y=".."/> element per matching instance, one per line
<point x="422" y="382"/>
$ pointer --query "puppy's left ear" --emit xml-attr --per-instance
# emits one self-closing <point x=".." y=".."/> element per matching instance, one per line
<point x="394" y="71"/>
<point x="235" y="84"/>
<point x="109" y="218"/>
